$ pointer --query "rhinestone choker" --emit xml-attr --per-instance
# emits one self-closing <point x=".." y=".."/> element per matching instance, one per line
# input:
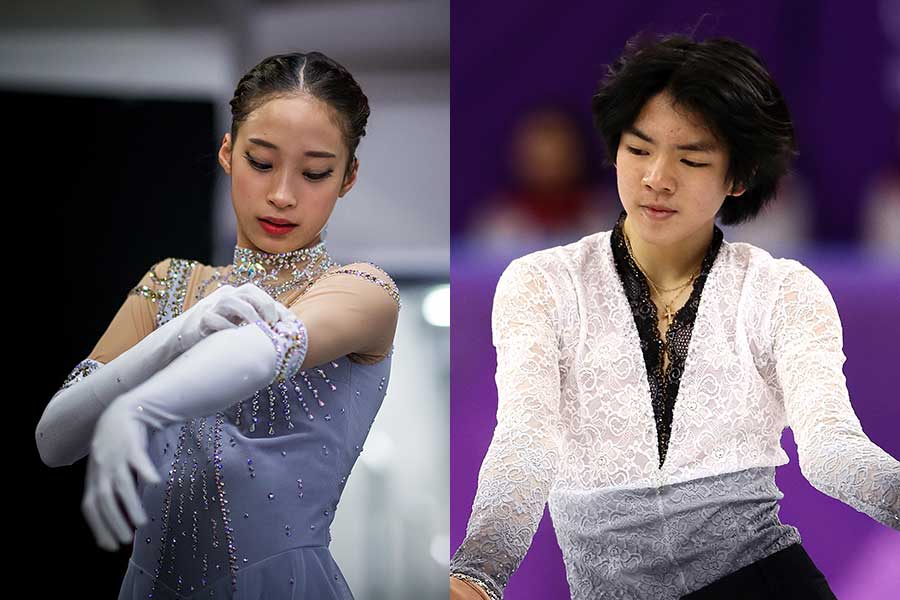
<point x="265" y="269"/>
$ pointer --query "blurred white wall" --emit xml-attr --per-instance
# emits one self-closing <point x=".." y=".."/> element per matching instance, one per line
<point x="391" y="532"/>
<point x="398" y="214"/>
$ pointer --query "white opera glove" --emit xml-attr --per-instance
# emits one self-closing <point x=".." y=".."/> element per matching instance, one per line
<point x="219" y="371"/>
<point x="64" y="431"/>
<point x="225" y="308"/>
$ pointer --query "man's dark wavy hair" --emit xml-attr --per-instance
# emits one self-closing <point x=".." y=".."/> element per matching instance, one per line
<point x="722" y="81"/>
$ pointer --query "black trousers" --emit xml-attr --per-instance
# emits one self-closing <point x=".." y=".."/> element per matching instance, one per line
<point x="787" y="574"/>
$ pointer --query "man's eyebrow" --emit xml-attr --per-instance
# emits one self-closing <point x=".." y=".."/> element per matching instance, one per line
<point x="313" y="153"/>
<point x="701" y="146"/>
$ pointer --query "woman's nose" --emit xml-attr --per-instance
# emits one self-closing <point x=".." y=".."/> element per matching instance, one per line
<point x="658" y="177"/>
<point x="280" y="195"/>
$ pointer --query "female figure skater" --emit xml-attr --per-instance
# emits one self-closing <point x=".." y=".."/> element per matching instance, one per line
<point x="241" y="395"/>
<point x="645" y="374"/>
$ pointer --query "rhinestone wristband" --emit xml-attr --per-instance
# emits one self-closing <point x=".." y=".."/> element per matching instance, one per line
<point x="289" y="337"/>
<point x="475" y="581"/>
<point x="81" y="370"/>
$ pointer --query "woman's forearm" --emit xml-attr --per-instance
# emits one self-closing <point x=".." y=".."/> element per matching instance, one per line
<point x="219" y="371"/>
<point x="64" y="431"/>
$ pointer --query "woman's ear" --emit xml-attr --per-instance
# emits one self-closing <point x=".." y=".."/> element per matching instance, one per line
<point x="225" y="153"/>
<point x="349" y="178"/>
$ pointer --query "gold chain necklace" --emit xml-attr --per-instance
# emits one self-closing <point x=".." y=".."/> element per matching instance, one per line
<point x="667" y="306"/>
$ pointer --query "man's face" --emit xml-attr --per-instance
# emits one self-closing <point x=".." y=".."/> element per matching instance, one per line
<point x="669" y="158"/>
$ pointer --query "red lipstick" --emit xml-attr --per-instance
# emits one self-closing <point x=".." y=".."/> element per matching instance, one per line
<point x="274" y="228"/>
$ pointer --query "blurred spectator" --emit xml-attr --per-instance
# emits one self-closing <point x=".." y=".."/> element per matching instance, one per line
<point x="783" y="226"/>
<point x="550" y="197"/>
<point x="881" y="213"/>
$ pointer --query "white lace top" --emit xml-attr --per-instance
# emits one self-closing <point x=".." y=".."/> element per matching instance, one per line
<point x="649" y="501"/>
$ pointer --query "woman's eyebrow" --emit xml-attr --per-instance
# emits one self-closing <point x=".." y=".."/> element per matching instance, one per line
<point x="313" y="153"/>
<point x="700" y="146"/>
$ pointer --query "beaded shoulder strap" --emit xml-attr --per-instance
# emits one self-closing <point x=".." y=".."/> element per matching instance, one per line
<point x="384" y="281"/>
<point x="155" y="292"/>
<point x="166" y="292"/>
<point x="169" y="292"/>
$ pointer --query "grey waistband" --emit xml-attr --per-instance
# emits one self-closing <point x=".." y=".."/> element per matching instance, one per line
<point x="668" y="541"/>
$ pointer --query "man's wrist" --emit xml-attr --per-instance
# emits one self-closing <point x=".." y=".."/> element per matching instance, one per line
<point x="476" y="584"/>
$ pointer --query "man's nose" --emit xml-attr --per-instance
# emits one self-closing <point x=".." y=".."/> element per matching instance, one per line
<point x="658" y="177"/>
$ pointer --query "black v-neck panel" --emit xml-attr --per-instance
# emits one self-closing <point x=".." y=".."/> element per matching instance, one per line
<point x="663" y="386"/>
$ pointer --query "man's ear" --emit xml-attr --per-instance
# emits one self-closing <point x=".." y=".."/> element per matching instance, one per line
<point x="349" y="178"/>
<point x="739" y="189"/>
<point x="225" y="152"/>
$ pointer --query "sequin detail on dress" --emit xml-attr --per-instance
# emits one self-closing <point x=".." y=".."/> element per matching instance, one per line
<point x="171" y="304"/>
<point x="251" y="491"/>
<point x="154" y="292"/>
<point x="284" y="386"/>
<point x="81" y="370"/>
<point x="168" y="292"/>
<point x="385" y="282"/>
<point x="290" y="340"/>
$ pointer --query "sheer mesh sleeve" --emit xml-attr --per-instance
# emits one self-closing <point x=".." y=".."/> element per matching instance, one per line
<point x="352" y="311"/>
<point x="522" y="460"/>
<point x="835" y="455"/>
<point x="136" y="317"/>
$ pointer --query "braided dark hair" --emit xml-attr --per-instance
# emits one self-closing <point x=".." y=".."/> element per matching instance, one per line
<point x="311" y="73"/>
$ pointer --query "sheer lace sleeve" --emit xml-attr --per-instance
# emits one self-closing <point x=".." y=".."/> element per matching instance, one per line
<point x="523" y="457"/>
<point x="835" y="455"/>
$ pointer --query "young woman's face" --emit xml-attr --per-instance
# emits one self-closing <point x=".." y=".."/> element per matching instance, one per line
<point x="289" y="163"/>
<point x="668" y="158"/>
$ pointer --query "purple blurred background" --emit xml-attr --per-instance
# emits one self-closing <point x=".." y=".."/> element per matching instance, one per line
<point x="833" y="61"/>
<point x="837" y="64"/>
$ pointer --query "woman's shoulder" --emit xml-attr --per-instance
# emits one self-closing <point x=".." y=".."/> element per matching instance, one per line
<point x="172" y="266"/>
<point x="167" y="276"/>
<point x="363" y="275"/>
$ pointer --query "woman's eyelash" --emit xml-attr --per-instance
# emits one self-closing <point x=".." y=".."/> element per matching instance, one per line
<point x="312" y="176"/>
<point x="636" y="151"/>
<point x="318" y="176"/>
<point x="257" y="165"/>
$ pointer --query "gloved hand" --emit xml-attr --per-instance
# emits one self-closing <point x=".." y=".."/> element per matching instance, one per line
<point x="222" y="369"/>
<point x="226" y="307"/>
<point x="64" y="431"/>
